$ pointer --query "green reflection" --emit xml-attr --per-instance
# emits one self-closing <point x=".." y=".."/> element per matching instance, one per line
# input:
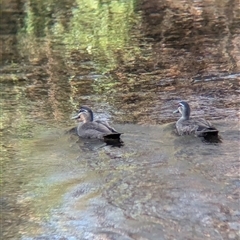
<point x="100" y="29"/>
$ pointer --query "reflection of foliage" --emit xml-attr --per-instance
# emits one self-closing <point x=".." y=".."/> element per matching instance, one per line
<point x="37" y="19"/>
<point x="68" y="41"/>
<point x="98" y="29"/>
<point x="102" y="29"/>
<point x="14" y="122"/>
<point x="40" y="15"/>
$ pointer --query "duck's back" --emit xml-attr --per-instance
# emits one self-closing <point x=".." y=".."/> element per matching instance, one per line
<point x="95" y="129"/>
<point x="198" y="127"/>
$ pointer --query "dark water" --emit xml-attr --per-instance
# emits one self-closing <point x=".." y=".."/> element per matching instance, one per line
<point x="131" y="62"/>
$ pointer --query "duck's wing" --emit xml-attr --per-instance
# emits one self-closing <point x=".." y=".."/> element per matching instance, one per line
<point x="103" y="125"/>
<point x="92" y="130"/>
<point x="199" y="128"/>
<point x="193" y="126"/>
<point x="204" y="126"/>
<point x="186" y="127"/>
<point x="96" y="130"/>
<point x="95" y="126"/>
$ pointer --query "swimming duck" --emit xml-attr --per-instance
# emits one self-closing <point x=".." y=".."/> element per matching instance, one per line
<point x="88" y="128"/>
<point x="197" y="127"/>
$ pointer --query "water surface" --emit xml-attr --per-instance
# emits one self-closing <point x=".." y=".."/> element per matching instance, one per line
<point x="158" y="185"/>
<point x="131" y="62"/>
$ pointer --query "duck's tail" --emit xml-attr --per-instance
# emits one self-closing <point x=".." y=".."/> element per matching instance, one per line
<point x="113" y="139"/>
<point x="212" y="136"/>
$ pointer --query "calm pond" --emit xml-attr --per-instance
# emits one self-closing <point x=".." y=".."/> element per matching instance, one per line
<point x="131" y="62"/>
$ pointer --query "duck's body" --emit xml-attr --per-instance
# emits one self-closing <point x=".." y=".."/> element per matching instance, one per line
<point x="198" y="127"/>
<point x="96" y="129"/>
<point x="89" y="128"/>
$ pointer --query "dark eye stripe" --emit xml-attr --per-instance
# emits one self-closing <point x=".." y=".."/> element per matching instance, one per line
<point x="83" y="111"/>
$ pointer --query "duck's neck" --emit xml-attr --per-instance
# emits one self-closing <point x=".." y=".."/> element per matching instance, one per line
<point x="184" y="117"/>
<point x="87" y="118"/>
<point x="185" y="114"/>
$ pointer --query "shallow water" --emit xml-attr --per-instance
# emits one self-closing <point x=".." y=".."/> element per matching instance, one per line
<point x="157" y="186"/>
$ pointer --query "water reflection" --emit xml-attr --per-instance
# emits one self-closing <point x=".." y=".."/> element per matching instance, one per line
<point x="123" y="60"/>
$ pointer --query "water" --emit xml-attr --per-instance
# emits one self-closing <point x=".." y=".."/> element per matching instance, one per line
<point x="158" y="185"/>
<point x="131" y="63"/>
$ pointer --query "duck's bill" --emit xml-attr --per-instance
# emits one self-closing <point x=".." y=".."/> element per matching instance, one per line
<point x="176" y="111"/>
<point x="75" y="117"/>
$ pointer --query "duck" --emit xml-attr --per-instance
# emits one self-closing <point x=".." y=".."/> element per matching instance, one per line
<point x="90" y="128"/>
<point x="198" y="127"/>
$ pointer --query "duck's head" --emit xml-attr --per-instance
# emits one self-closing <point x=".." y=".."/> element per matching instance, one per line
<point x="85" y="114"/>
<point x="184" y="109"/>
